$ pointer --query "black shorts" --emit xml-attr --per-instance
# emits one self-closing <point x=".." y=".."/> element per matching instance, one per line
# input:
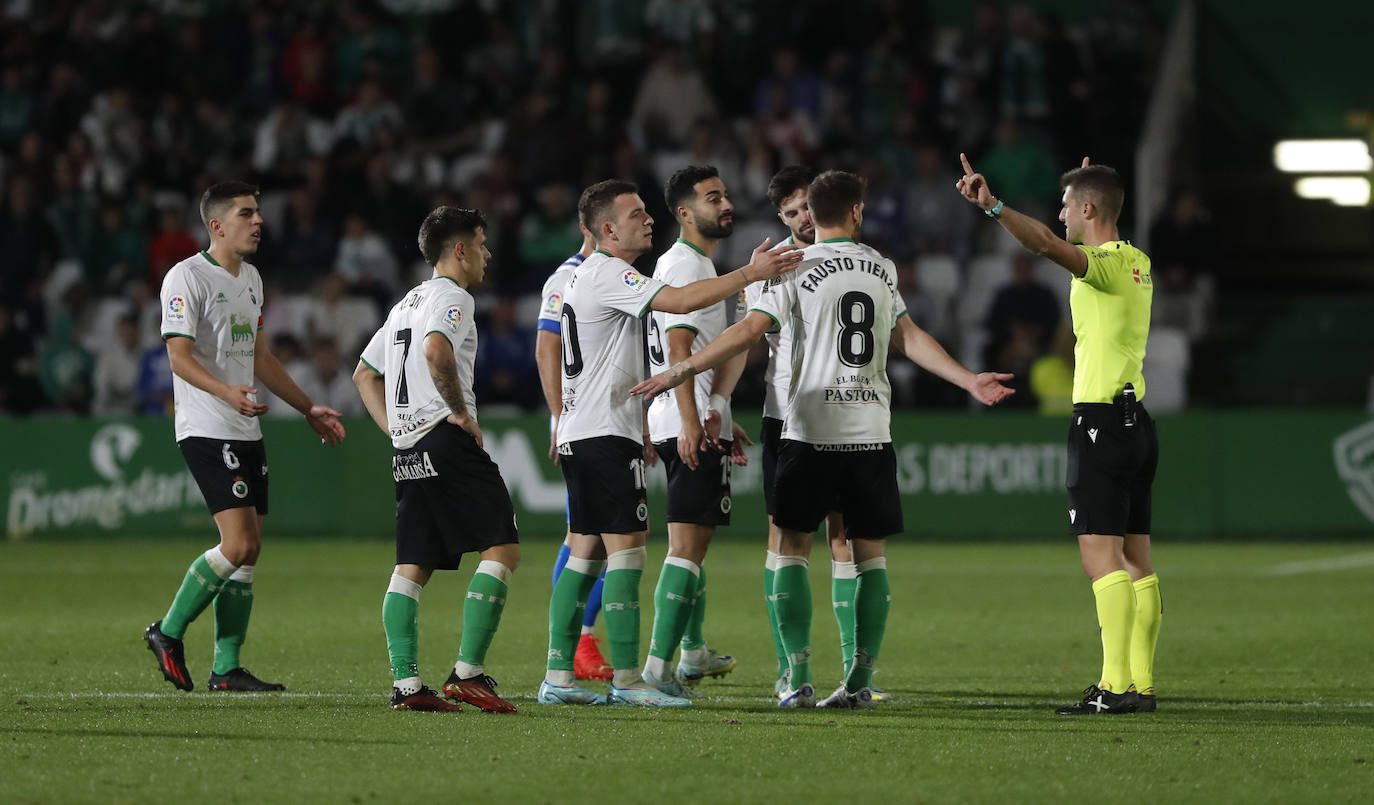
<point x="605" y="477"/>
<point x="1110" y="470"/>
<point x="231" y="474"/>
<point x="770" y="435"/>
<point x="450" y="500"/>
<point x="858" y="481"/>
<point x="698" y="496"/>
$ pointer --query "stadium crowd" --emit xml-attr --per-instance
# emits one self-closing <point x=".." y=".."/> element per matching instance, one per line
<point x="356" y="118"/>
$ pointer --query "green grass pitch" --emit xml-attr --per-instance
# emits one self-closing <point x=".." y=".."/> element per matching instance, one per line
<point x="1265" y="675"/>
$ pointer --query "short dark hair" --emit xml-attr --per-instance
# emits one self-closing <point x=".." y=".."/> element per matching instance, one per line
<point x="217" y="197"/>
<point x="788" y="181"/>
<point x="443" y="226"/>
<point x="832" y="195"/>
<point x="681" y="186"/>
<point x="1098" y="184"/>
<point x="597" y="200"/>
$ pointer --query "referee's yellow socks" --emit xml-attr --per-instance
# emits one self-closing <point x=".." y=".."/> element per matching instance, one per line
<point x="1115" y="612"/>
<point x="1149" y="611"/>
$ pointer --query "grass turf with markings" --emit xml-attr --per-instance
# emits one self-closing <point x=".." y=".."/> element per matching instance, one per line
<point x="1265" y="682"/>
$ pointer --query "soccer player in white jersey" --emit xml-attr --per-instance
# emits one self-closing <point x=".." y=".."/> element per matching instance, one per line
<point x="212" y="325"/>
<point x="588" y="662"/>
<point x="836" y="452"/>
<point x="602" y="435"/>
<point x="787" y="191"/>
<point x="415" y="377"/>
<point x="697" y="463"/>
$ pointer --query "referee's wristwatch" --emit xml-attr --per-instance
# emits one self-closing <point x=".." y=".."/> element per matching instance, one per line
<point x="995" y="212"/>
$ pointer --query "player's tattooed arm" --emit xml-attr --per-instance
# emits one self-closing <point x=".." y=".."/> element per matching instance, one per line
<point x="443" y="370"/>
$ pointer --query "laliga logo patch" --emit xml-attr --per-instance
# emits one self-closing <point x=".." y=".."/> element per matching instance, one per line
<point x="632" y="278"/>
<point x="553" y="302"/>
<point x="454" y="317"/>
<point x="176" y="304"/>
<point x="240" y="489"/>
<point x="1354" y="455"/>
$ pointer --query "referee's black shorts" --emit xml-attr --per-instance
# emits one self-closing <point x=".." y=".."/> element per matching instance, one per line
<point x="1110" y="470"/>
<point x="450" y="500"/>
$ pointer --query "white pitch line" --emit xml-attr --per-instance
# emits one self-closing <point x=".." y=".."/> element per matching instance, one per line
<point x="1321" y="565"/>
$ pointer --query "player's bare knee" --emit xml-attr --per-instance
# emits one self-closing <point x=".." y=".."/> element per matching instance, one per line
<point x="508" y="555"/>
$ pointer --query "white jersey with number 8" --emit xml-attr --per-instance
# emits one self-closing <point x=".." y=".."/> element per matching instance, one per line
<point x="841" y="305"/>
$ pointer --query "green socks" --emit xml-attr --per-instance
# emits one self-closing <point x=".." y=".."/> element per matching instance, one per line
<point x="202" y="583"/>
<point x="872" y="601"/>
<point x="620" y="607"/>
<point x="233" y="606"/>
<point x="844" y="583"/>
<point x="482" y="608"/>
<point x="400" y="618"/>
<point x="692" y="637"/>
<point x="1115" y="612"/>
<point x="675" y="600"/>
<point x="770" y="566"/>
<point x="566" y="609"/>
<point x="1149" y="611"/>
<point x="792" y="598"/>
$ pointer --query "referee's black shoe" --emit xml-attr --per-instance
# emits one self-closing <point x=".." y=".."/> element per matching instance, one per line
<point x="240" y="679"/>
<point x="170" y="656"/>
<point x="1100" y="702"/>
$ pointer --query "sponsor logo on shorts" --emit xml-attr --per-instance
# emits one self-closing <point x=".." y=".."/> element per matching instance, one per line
<point x="848" y="448"/>
<point x="454" y="316"/>
<point x="240" y="488"/>
<point x="1073" y="515"/>
<point x="1092" y="434"/>
<point x="632" y="278"/>
<point x="642" y="511"/>
<point x="412" y="466"/>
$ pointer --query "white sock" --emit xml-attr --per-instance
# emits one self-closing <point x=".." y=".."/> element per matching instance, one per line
<point x="466" y="670"/>
<point x="586" y="630"/>
<point x="656" y="668"/>
<point x="409" y="686"/>
<point x="404" y="586"/>
<point x="696" y="656"/>
<point x="771" y="562"/>
<point x="244" y="574"/>
<point x="626" y="678"/>
<point x="563" y="679"/>
<point x="218" y="563"/>
<point x="843" y="570"/>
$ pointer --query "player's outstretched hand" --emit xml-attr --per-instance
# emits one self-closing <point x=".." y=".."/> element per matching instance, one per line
<point x="974" y="187"/>
<point x="325" y="421"/>
<point x="650" y="452"/>
<point x="765" y="263"/>
<point x="987" y="387"/>
<point x="468" y="424"/>
<point x="239" y="399"/>
<point x="691" y="440"/>
<point x="741" y="438"/>
<point x="670" y="378"/>
<point x="712" y="428"/>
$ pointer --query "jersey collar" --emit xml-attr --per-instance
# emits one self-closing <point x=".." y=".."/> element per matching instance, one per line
<point x="691" y="246"/>
<point x="836" y="240"/>
<point x="603" y="251"/>
<point x="213" y="261"/>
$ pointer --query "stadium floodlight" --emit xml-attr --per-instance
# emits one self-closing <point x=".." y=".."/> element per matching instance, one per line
<point x="1322" y="156"/>
<point x="1347" y="191"/>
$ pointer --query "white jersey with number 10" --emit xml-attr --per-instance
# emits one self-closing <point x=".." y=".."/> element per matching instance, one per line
<point x="841" y="305"/>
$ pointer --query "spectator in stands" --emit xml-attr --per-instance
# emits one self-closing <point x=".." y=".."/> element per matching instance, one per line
<point x="544" y="236"/>
<point x="287" y="137"/>
<point x="28" y="246"/>
<point x="1051" y="375"/>
<point x="346" y="320"/>
<point x="323" y="379"/>
<point x="1024" y="309"/>
<point x="505" y="370"/>
<point x="1181" y="248"/>
<point x="1020" y="169"/>
<point x="803" y="86"/>
<point x="18" y="106"/>
<point x="672" y="96"/>
<point x="288" y="350"/>
<point x="116" y="371"/>
<point x="370" y="110"/>
<point x="19" y="390"/>
<point x="365" y="261"/>
<point x="173" y="243"/>
<point x="116" y="254"/>
<point x="939" y="222"/>
<point x="65" y="367"/>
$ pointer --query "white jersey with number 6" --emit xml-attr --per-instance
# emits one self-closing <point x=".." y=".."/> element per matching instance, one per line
<point x="841" y="305"/>
<point x="603" y="348"/>
<point x="397" y="353"/>
<point x="221" y="314"/>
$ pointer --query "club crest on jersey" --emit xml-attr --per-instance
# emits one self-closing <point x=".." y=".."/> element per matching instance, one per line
<point x="632" y="278"/>
<point x="220" y="297"/>
<point x="176" y="304"/>
<point x="553" y="303"/>
<point x="454" y="316"/>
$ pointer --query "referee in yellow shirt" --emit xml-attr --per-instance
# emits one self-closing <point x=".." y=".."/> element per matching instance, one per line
<point x="1113" y="449"/>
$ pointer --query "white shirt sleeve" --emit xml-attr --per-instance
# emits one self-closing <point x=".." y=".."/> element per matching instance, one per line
<point x="180" y="305"/>
<point x="374" y="355"/>
<point x="678" y="275"/>
<point x="776" y="301"/>
<point x="627" y="291"/>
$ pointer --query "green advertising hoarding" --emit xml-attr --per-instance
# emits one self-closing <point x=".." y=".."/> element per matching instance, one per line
<point x="963" y="476"/>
